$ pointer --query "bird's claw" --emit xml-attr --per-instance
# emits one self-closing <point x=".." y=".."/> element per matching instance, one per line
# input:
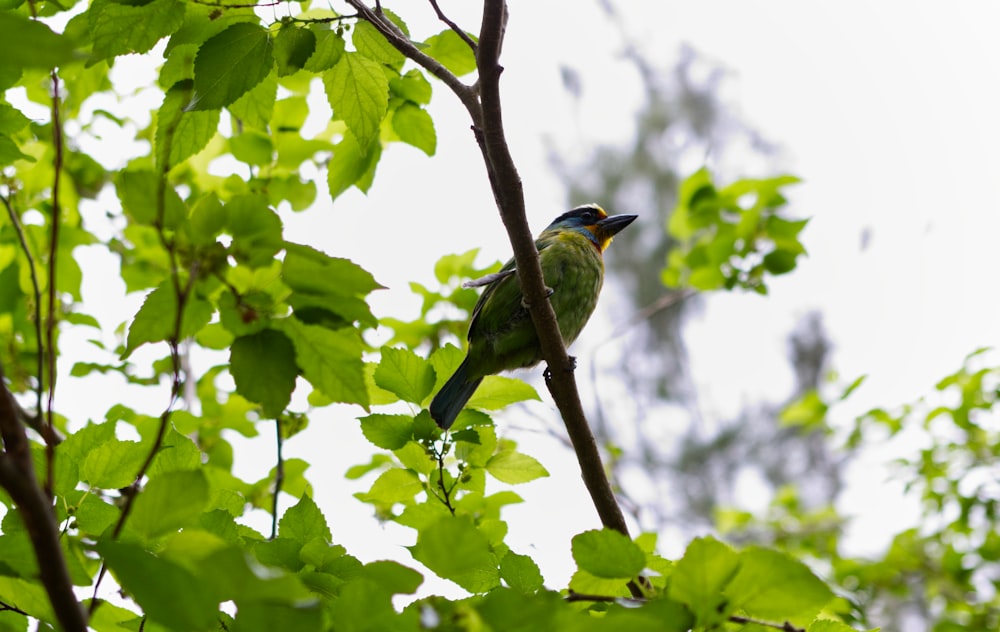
<point x="547" y="373"/>
<point x="548" y="292"/>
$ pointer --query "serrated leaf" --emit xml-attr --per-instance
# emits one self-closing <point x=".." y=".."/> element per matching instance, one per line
<point x="512" y="467"/>
<point x="497" y="392"/>
<point x="330" y="360"/>
<point x="318" y="281"/>
<point x="256" y="230"/>
<point x="521" y="573"/>
<point x="608" y="554"/>
<point x="31" y="44"/>
<point x="329" y="48"/>
<point x="181" y="133"/>
<point x="393" y="486"/>
<point x="304" y="522"/>
<point x="263" y="367"/>
<point x="138" y="191"/>
<point x="159" y="586"/>
<point x="252" y="147"/>
<point x="412" y="86"/>
<point x="350" y="166"/>
<point x="406" y="374"/>
<point x="415" y="127"/>
<point x="293" y="46"/>
<point x="113" y="465"/>
<point x="453" y="52"/>
<point x="389" y="432"/>
<point x="156" y="319"/>
<point x="256" y="108"/>
<point x="169" y="502"/>
<point x="701" y="576"/>
<point x="370" y="43"/>
<point x="121" y="28"/>
<point x="231" y="63"/>
<point x="773" y="585"/>
<point x="455" y="549"/>
<point x="358" y="92"/>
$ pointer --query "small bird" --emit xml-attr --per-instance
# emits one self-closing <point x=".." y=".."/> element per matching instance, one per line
<point x="501" y="335"/>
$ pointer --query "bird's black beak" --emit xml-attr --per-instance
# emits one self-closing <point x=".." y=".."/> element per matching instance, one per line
<point x="614" y="224"/>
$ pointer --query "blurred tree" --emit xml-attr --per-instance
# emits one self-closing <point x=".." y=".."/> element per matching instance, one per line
<point x="682" y="124"/>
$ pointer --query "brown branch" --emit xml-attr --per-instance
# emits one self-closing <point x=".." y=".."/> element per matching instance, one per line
<point x="487" y="125"/>
<point x="510" y="198"/>
<point x="461" y="32"/>
<point x="17" y="477"/>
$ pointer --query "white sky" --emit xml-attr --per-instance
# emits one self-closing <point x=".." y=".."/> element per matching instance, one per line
<point x="888" y="111"/>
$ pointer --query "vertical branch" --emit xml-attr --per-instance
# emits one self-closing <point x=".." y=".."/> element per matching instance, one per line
<point x="279" y="475"/>
<point x="17" y="477"/>
<point x="50" y="322"/>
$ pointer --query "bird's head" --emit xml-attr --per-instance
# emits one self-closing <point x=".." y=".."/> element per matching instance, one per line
<point x="591" y="221"/>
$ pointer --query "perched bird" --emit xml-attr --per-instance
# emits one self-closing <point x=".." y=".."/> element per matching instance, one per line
<point x="502" y="335"/>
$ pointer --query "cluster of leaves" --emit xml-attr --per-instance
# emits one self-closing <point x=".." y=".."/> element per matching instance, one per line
<point x="731" y="237"/>
<point x="153" y="499"/>
<point x="943" y="571"/>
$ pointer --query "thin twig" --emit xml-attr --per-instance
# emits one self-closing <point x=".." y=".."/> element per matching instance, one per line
<point x="461" y="32"/>
<point x="50" y="322"/>
<point x="279" y="475"/>
<point x="37" y="295"/>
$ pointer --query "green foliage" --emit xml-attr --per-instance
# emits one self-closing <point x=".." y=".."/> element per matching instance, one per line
<point x="250" y="331"/>
<point x="731" y="237"/>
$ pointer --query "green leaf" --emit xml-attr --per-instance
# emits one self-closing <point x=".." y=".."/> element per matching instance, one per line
<point x="452" y="51"/>
<point x="773" y="585"/>
<point x="393" y="577"/>
<point x="11" y="119"/>
<point x="138" y="191"/>
<point x="293" y="47"/>
<point x="266" y="616"/>
<point x="455" y="549"/>
<point x="169" y="502"/>
<point x="415" y="127"/>
<point x="329" y="48"/>
<point x="231" y="63"/>
<point x="370" y="43"/>
<point x="167" y="593"/>
<point x="113" y="465"/>
<point x="701" y="576"/>
<point x="389" y="432"/>
<point x="263" y="367"/>
<point x="608" y="554"/>
<point x="412" y="86"/>
<point x="521" y="573"/>
<point x="319" y="281"/>
<point x="31" y="44"/>
<point x="393" y="486"/>
<point x="330" y="360"/>
<point x="304" y="522"/>
<point x="513" y="467"/>
<point x="252" y="147"/>
<point x="358" y="92"/>
<point x="406" y="374"/>
<point x="9" y="151"/>
<point x="122" y="28"/>
<point x="350" y="166"/>
<point x="497" y="392"/>
<point x="829" y="625"/>
<point x="181" y="133"/>
<point x="256" y="107"/>
<point x="156" y="319"/>
<point x="780" y="261"/>
<point x="256" y="230"/>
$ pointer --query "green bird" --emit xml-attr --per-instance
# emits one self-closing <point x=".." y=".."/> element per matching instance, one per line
<point x="501" y="335"/>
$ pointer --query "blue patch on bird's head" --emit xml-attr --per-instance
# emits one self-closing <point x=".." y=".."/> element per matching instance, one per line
<point x="581" y="216"/>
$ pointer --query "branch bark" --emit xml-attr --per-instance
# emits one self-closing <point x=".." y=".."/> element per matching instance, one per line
<point x="17" y="477"/>
<point x="487" y="124"/>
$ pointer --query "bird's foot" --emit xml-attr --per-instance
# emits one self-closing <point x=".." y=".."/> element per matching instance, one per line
<point x="547" y="373"/>
<point x="548" y="292"/>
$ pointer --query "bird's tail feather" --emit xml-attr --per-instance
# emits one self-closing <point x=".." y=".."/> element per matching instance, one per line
<point x="452" y="397"/>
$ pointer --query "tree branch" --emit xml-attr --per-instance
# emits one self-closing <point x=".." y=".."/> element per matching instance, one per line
<point x="487" y="125"/>
<point x="17" y="477"/>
